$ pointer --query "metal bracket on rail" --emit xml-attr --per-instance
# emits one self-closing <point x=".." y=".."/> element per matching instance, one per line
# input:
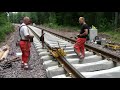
<point x="60" y="65"/>
<point x="42" y="38"/>
<point x="69" y="74"/>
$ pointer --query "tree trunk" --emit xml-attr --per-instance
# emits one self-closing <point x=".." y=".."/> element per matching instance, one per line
<point x="116" y="19"/>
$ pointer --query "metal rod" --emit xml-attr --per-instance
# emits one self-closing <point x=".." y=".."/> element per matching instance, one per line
<point x="42" y="39"/>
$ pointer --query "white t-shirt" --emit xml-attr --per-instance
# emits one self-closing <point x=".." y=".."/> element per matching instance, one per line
<point x="24" y="31"/>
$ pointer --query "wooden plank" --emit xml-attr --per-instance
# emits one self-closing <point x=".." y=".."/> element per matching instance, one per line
<point x="1" y="54"/>
<point x="6" y="51"/>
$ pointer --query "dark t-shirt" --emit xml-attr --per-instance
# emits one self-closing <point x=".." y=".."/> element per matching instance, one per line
<point x="84" y="26"/>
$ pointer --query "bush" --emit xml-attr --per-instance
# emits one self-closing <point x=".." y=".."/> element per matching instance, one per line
<point x="2" y="35"/>
<point x="5" y="30"/>
<point x="52" y="25"/>
<point x="105" y="25"/>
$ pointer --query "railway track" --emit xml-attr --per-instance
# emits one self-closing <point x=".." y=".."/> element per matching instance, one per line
<point x="97" y="63"/>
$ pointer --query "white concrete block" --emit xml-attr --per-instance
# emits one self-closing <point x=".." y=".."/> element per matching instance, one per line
<point x="39" y="47"/>
<point x="54" y="71"/>
<point x="89" y="59"/>
<point x="109" y="73"/>
<point x="88" y="67"/>
<point x="41" y="50"/>
<point x="72" y="55"/>
<point x="93" y="58"/>
<point x="69" y="48"/>
<point x="61" y="76"/>
<point x="35" y="42"/>
<point x="73" y="60"/>
<point x="44" y="53"/>
<point x="49" y="63"/>
<point x="47" y="57"/>
<point x="62" y="46"/>
<point x="87" y="53"/>
<point x="69" y="51"/>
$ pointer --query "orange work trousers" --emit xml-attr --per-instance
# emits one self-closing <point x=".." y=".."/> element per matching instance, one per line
<point x="79" y="46"/>
<point x="25" y="48"/>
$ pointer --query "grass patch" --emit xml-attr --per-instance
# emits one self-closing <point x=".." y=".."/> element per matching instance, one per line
<point x="60" y="27"/>
<point x="114" y="36"/>
<point x="5" y="30"/>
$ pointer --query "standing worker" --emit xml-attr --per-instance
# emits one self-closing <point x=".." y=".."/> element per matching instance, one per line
<point x="25" y="43"/>
<point x="79" y="45"/>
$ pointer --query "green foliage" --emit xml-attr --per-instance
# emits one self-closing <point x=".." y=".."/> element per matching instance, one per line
<point x="114" y="36"/>
<point x="102" y="20"/>
<point x="5" y="26"/>
<point x="105" y="25"/>
<point x="5" y="30"/>
<point x="3" y="18"/>
<point x="52" y="18"/>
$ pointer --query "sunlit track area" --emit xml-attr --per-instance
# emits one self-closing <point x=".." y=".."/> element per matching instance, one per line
<point x="93" y="65"/>
<point x="60" y="45"/>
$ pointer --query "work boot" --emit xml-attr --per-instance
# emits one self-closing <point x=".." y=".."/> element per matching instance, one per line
<point x="80" y="60"/>
<point x="26" y="67"/>
<point x="22" y="65"/>
<point x="82" y="57"/>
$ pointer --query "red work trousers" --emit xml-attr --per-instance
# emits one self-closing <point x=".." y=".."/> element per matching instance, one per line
<point x="25" y="48"/>
<point x="79" y="46"/>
